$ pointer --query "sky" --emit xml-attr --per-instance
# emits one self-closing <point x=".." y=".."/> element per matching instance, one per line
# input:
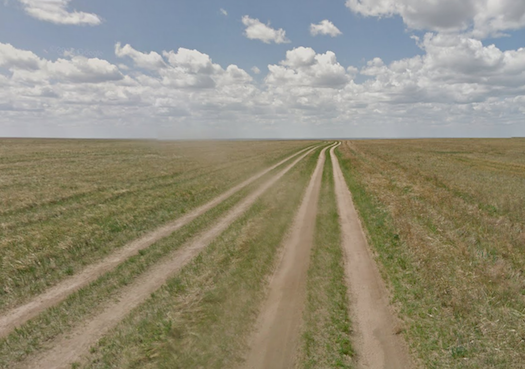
<point x="199" y="69"/>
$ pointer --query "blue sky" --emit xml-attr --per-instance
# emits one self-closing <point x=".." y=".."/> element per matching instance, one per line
<point x="393" y="69"/>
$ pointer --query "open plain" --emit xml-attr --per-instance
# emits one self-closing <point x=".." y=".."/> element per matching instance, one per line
<point x="263" y="254"/>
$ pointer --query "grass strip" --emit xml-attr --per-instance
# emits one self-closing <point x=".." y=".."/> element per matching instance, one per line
<point x="204" y="315"/>
<point x="462" y="305"/>
<point x="326" y="329"/>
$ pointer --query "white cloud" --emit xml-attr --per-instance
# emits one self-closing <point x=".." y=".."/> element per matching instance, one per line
<point x="26" y="66"/>
<point x="184" y="68"/>
<point x="482" y="18"/>
<point x="303" y="67"/>
<point x="80" y="69"/>
<point x="147" y="61"/>
<point x="457" y="85"/>
<point x="454" y="69"/>
<point x="13" y="58"/>
<point x="223" y="12"/>
<point x="56" y="11"/>
<point x="256" y="30"/>
<point x="325" y="27"/>
<point x="256" y="70"/>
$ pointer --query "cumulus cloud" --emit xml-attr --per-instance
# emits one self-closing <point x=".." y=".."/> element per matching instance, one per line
<point x="256" y="30"/>
<point x="457" y="82"/>
<point x="482" y="18"/>
<point x="13" y="58"/>
<point x="223" y="12"/>
<point x="56" y="11"/>
<point x="256" y="70"/>
<point x="454" y="69"/>
<point x="304" y="67"/>
<point x="325" y="27"/>
<point x="27" y="66"/>
<point x="80" y="69"/>
<point x="147" y="61"/>
<point x="184" y="68"/>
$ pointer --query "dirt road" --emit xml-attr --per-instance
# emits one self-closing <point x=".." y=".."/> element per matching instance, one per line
<point x="275" y="339"/>
<point x="70" y="348"/>
<point x="19" y="315"/>
<point x="376" y="343"/>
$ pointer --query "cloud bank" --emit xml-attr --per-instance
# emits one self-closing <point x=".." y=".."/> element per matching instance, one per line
<point x="457" y="85"/>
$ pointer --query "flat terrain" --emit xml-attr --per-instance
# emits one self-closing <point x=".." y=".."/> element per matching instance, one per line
<point x="65" y="204"/>
<point x="360" y="254"/>
<point x="446" y="219"/>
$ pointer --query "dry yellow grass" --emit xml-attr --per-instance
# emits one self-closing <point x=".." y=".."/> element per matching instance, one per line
<point x="67" y="203"/>
<point x="447" y="220"/>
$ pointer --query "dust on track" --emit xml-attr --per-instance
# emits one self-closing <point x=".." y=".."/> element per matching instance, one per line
<point x="16" y="317"/>
<point x="276" y="333"/>
<point x="71" y="347"/>
<point x="376" y="342"/>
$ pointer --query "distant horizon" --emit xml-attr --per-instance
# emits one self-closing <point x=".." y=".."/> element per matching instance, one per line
<point x="254" y="139"/>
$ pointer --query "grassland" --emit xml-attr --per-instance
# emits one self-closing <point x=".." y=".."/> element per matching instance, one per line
<point x="67" y="203"/>
<point x="35" y="335"/>
<point x="446" y="219"/>
<point x="203" y="316"/>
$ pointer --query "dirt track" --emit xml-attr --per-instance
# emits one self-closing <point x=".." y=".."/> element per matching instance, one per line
<point x="276" y="335"/>
<point x="19" y="315"/>
<point x="274" y="342"/>
<point x="376" y="343"/>
<point x="69" y="348"/>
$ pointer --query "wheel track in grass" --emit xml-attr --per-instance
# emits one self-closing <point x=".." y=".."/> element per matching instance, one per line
<point x="17" y="316"/>
<point x="376" y="341"/>
<point x="70" y="347"/>
<point x="276" y="333"/>
<point x="137" y="186"/>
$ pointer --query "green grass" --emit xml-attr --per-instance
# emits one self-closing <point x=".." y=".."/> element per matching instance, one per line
<point x="203" y="316"/>
<point x="326" y="330"/>
<point x="447" y="243"/>
<point x="67" y="203"/>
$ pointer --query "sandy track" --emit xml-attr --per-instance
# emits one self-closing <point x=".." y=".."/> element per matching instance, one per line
<point x="69" y="348"/>
<point x="377" y="344"/>
<point x="274" y="342"/>
<point x="19" y="315"/>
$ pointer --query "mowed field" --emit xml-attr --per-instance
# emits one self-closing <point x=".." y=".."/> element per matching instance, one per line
<point x="128" y="254"/>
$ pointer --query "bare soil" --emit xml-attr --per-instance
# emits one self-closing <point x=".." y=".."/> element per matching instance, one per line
<point x="376" y="342"/>
<point x="275" y="338"/>
<point x="19" y="315"/>
<point x="70" y="348"/>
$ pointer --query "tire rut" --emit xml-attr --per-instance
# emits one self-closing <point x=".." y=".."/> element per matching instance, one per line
<point x="17" y="316"/>
<point x="273" y="344"/>
<point x="376" y="342"/>
<point x="70" y="347"/>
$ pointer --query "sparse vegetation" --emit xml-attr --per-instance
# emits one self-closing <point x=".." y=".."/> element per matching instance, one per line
<point x="326" y="331"/>
<point x="67" y="203"/>
<point x="203" y="316"/>
<point x="446" y="220"/>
